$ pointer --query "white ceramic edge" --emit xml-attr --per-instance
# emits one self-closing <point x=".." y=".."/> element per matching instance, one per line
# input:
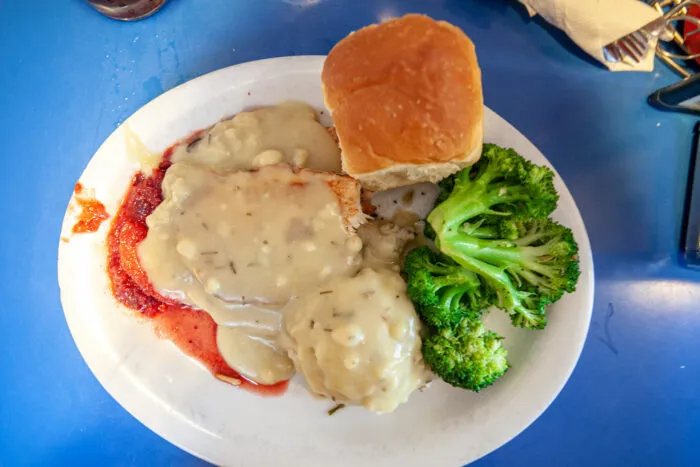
<point x="165" y="424"/>
<point x="587" y="273"/>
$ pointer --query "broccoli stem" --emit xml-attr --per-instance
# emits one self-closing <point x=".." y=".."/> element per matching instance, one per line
<point x="481" y="249"/>
<point x="463" y="249"/>
<point x="459" y="252"/>
<point x="493" y="253"/>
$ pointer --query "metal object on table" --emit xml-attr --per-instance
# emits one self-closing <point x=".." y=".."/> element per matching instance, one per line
<point x="683" y="96"/>
<point x="678" y="55"/>
<point x="635" y="45"/>
<point x="691" y="221"/>
<point x="675" y="53"/>
<point x="127" y="10"/>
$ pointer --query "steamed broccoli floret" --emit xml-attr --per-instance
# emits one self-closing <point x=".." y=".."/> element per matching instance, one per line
<point x="527" y="273"/>
<point x="466" y="355"/>
<point x="548" y="258"/>
<point x="501" y="184"/>
<point x="443" y="291"/>
<point x="494" y="224"/>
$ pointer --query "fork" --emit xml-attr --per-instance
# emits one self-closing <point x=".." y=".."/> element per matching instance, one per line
<point x="636" y="44"/>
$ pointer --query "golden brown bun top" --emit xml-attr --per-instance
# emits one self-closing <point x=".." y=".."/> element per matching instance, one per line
<point x="407" y="91"/>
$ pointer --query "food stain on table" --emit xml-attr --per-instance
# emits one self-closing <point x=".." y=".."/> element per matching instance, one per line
<point x="92" y="214"/>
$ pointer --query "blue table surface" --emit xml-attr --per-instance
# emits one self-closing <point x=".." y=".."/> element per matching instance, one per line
<point x="69" y="76"/>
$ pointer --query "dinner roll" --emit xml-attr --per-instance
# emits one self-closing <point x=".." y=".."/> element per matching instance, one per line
<point x="406" y="100"/>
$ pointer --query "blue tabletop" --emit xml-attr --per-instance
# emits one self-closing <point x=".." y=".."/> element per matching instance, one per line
<point x="69" y="76"/>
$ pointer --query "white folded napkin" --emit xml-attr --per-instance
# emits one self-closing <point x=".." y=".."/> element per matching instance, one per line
<point x="592" y="24"/>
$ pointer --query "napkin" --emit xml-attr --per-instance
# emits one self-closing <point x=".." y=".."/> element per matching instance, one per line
<point x="592" y="24"/>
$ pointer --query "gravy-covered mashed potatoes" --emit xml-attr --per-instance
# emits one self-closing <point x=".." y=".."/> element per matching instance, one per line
<point x="258" y="229"/>
<point x="355" y="339"/>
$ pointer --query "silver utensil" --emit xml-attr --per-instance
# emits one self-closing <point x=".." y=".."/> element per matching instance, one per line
<point x="635" y="45"/>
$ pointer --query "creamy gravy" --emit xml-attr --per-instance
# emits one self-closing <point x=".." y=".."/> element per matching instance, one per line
<point x="254" y="353"/>
<point x="356" y="340"/>
<point x="246" y="237"/>
<point x="286" y="133"/>
<point x="240" y="245"/>
<point x="384" y="241"/>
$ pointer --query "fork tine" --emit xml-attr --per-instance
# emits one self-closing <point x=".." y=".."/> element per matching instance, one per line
<point x="641" y="39"/>
<point x="644" y="40"/>
<point x="633" y="48"/>
<point x="638" y="45"/>
<point x="617" y="52"/>
<point x="622" y="50"/>
<point x="611" y="53"/>
<point x="624" y="45"/>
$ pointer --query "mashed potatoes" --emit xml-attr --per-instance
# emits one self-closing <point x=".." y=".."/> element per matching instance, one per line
<point x="383" y="243"/>
<point x="356" y="340"/>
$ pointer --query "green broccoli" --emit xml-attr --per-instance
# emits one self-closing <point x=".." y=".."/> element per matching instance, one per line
<point x="548" y="259"/>
<point x="498" y="247"/>
<point x="501" y="184"/>
<point x="446" y="185"/>
<point x="442" y="291"/>
<point x="466" y="355"/>
<point x="525" y="274"/>
<point x="494" y="224"/>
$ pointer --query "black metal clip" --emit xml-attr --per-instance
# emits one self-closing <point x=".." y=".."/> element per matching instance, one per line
<point x="683" y="96"/>
<point x="690" y="243"/>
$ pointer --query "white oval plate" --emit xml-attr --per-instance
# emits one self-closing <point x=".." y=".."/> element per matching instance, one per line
<point x="178" y="399"/>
